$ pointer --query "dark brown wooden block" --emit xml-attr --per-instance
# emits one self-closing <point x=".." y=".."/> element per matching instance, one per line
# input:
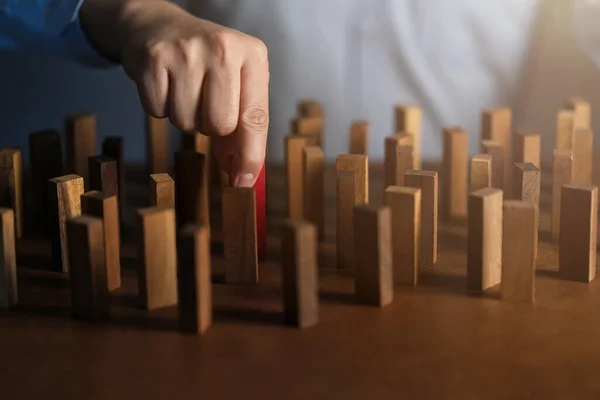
<point x="80" y="137"/>
<point x="8" y="260"/>
<point x="190" y="185"/>
<point x="12" y="159"/>
<point x="104" y="175"/>
<point x="113" y="147"/>
<point x="157" y="145"/>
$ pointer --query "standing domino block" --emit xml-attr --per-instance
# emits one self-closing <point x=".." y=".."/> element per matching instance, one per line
<point x="157" y="145"/>
<point x="239" y="234"/>
<point x="578" y="232"/>
<point x="313" y="163"/>
<point x="194" y="279"/>
<point x="311" y="128"/>
<point x="352" y="190"/>
<point x="484" y="254"/>
<point x="562" y="175"/>
<point x="496" y="125"/>
<point x="526" y="183"/>
<point x="104" y="206"/>
<point x="392" y="144"/>
<point x="519" y="250"/>
<point x="162" y="191"/>
<point x="408" y="120"/>
<point x="294" y="146"/>
<point x="12" y="159"/>
<point x="89" y="291"/>
<point x="299" y="273"/>
<point x="455" y="173"/>
<point x="583" y="147"/>
<point x="200" y="144"/>
<point x="80" y="135"/>
<point x="65" y="203"/>
<point x="527" y="148"/>
<point x="481" y="172"/>
<point x="404" y="162"/>
<point x="565" y="126"/>
<point x="310" y="108"/>
<point x="112" y="147"/>
<point x="190" y="185"/>
<point x="582" y="111"/>
<point x="157" y="258"/>
<point x="494" y="149"/>
<point x="359" y="138"/>
<point x="373" y="278"/>
<point x="8" y="260"/>
<point x="405" y="205"/>
<point x="104" y="175"/>
<point x="427" y="181"/>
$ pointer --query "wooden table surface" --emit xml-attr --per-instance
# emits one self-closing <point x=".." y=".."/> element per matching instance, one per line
<point x="433" y="342"/>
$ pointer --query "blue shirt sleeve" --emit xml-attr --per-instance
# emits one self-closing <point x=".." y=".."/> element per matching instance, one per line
<point x="49" y="27"/>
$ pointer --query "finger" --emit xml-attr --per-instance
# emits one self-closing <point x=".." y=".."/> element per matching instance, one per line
<point x="153" y="86"/>
<point x="185" y="86"/>
<point x="220" y="106"/>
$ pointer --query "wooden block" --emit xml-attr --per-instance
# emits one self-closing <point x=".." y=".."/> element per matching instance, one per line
<point x="582" y="110"/>
<point x="494" y="149"/>
<point x="455" y="172"/>
<point x="519" y="250"/>
<point x="427" y="181"/>
<point x="484" y="244"/>
<point x="239" y="235"/>
<point x="373" y="277"/>
<point x="310" y="108"/>
<point x="157" y="257"/>
<point x="527" y="148"/>
<point x="157" y="145"/>
<point x="352" y="190"/>
<point x="359" y="138"/>
<point x="8" y="260"/>
<point x="405" y="205"/>
<point x="565" y="126"/>
<point x="65" y="203"/>
<point x="80" y="137"/>
<point x="313" y="162"/>
<point x="481" y="172"/>
<point x="299" y="273"/>
<point x="309" y="127"/>
<point x="562" y="175"/>
<point x="162" y="191"/>
<point x="391" y="154"/>
<point x="496" y="125"/>
<point x="578" y="232"/>
<point x="104" y="175"/>
<point x="583" y="147"/>
<point x="89" y="292"/>
<point x="294" y="176"/>
<point x="104" y="206"/>
<point x="526" y="182"/>
<point x="404" y="162"/>
<point x="201" y="144"/>
<point x="11" y="159"/>
<point x="45" y="155"/>
<point x="190" y="185"/>
<point x="112" y="147"/>
<point x="408" y="120"/>
<point x="194" y="279"/>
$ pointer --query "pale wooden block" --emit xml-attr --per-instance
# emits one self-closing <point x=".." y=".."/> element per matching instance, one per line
<point x="162" y="191"/>
<point x="583" y="148"/>
<point x="359" y="138"/>
<point x="313" y="163"/>
<point x="427" y="181"/>
<point x="310" y="128"/>
<point x="496" y="125"/>
<point x="495" y="150"/>
<point x="582" y="110"/>
<point x="391" y="154"/>
<point x="294" y="146"/>
<point x="455" y="173"/>
<point x="526" y="182"/>
<point x="409" y="120"/>
<point x="562" y="175"/>
<point x="481" y="172"/>
<point x="8" y="260"/>
<point x="157" y="145"/>
<point x="565" y="126"/>
<point x="310" y="108"/>
<point x="527" y="148"/>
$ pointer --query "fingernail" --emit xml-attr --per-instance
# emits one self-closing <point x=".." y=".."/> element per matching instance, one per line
<point x="245" y="180"/>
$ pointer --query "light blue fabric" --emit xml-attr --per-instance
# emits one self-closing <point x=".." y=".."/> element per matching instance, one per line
<point x="49" y="27"/>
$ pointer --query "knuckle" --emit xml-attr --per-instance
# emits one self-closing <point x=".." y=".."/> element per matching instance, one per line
<point x="259" y="51"/>
<point x="187" y="51"/>
<point x="223" y="46"/>
<point x="156" y="54"/>
<point x="256" y="117"/>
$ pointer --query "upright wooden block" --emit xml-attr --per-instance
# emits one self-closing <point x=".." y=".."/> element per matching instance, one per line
<point x="519" y="250"/>
<point x="201" y="144"/>
<point x="112" y="147"/>
<point x="89" y="290"/>
<point x="405" y="205"/>
<point x="239" y="234"/>
<point x="310" y="108"/>
<point x="408" y="120"/>
<point x="496" y="125"/>
<point x="8" y="260"/>
<point x="404" y="162"/>
<point x="565" y="126"/>
<point x="373" y="277"/>
<point x="157" y="258"/>
<point x="527" y="148"/>
<point x="526" y="182"/>
<point x="313" y="163"/>
<point x="157" y="145"/>
<point x="359" y="138"/>
<point x="582" y="111"/>
<point x="352" y="190"/>
<point x="484" y="251"/>
<point x="562" y="175"/>
<point x="194" y="279"/>
<point x="494" y="149"/>
<point x="162" y="191"/>
<point x="65" y="203"/>
<point x="310" y="128"/>
<point x="104" y="206"/>
<point x="578" y="232"/>
<point x="80" y="137"/>
<point x="455" y="172"/>
<point x="481" y="172"/>
<point x="104" y="175"/>
<point x="583" y="148"/>
<point x="190" y="185"/>
<point x="427" y="181"/>
<point x="11" y="159"/>
<point x="299" y="273"/>
<point x="392" y="145"/>
<point x="294" y="146"/>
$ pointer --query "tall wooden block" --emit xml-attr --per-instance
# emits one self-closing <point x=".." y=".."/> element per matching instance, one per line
<point x="519" y="250"/>
<point x="427" y="181"/>
<point x="157" y="257"/>
<point x="565" y="126"/>
<point x="190" y="185"/>
<point x="162" y="191"/>
<point x="527" y="148"/>
<point x="89" y="291"/>
<point x="310" y="108"/>
<point x="294" y="146"/>
<point x="239" y="235"/>
<point x="494" y="149"/>
<point x="404" y="162"/>
<point x="105" y="206"/>
<point x="80" y="137"/>
<point x="112" y="147"/>
<point x="157" y="145"/>
<point x="578" y="232"/>
<point x="455" y="172"/>
<point x="408" y="120"/>
<point x="310" y="128"/>
<point x="392" y="144"/>
<point x="201" y="144"/>
<point x="562" y="175"/>
<point x="526" y="182"/>
<point x="373" y="277"/>
<point x="481" y="172"/>
<point x="484" y="252"/>
<point x="8" y="260"/>
<point x="104" y="175"/>
<point x="582" y="111"/>
<point x="314" y="186"/>
<point x="194" y="279"/>
<point x="11" y="161"/>
<point x="583" y="148"/>
<point x="352" y="190"/>
<point x="496" y="125"/>
<point x="65" y="203"/>
<point x="299" y="273"/>
<point x="405" y="205"/>
<point x="359" y="138"/>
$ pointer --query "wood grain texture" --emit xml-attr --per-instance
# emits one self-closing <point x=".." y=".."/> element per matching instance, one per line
<point x="405" y="206"/>
<point x="190" y="188"/>
<point x="526" y="148"/>
<point x="583" y="150"/>
<point x="300" y="277"/>
<point x="89" y="292"/>
<point x="484" y="243"/>
<point x="373" y="277"/>
<point x="565" y="126"/>
<point x="310" y="108"/>
<point x="162" y="191"/>
<point x="408" y="120"/>
<point x="562" y="174"/>
<point x="495" y="150"/>
<point x="455" y="173"/>
<point x="8" y="260"/>
<point x="11" y="159"/>
<point x="359" y="138"/>
<point x="65" y="203"/>
<point x="294" y="146"/>
<point x="496" y="125"/>
<point x="101" y="205"/>
<point x="391" y="155"/>
<point x="427" y="181"/>
<point x="481" y="172"/>
<point x="239" y="235"/>
<point x="582" y="110"/>
<point x="313" y="163"/>
<point x="578" y="232"/>
<point x="104" y="175"/>
<point x="310" y="128"/>
<point x="157" y="145"/>
<point x="112" y="147"/>
<point x="157" y="257"/>
<point x="80" y="138"/>
<point x="519" y="250"/>
<point x="526" y="182"/>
